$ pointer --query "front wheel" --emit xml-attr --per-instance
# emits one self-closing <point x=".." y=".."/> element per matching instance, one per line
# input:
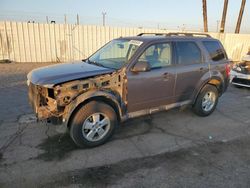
<point x="206" y="101"/>
<point x="93" y="124"/>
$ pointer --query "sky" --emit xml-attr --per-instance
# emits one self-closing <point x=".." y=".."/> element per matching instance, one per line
<point x="163" y="14"/>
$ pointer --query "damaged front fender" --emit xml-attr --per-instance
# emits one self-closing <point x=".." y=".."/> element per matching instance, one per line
<point x="61" y="101"/>
<point x="105" y="96"/>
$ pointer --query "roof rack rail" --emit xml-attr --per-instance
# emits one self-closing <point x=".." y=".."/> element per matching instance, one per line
<point x="176" y="34"/>
<point x="156" y="34"/>
<point x="188" y="34"/>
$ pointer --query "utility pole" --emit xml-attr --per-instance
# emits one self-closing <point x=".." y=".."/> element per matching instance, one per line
<point x="224" y="14"/>
<point x="47" y="19"/>
<point x="65" y="18"/>
<point x="217" y="28"/>
<point x="104" y="18"/>
<point x="183" y="28"/>
<point x="77" y="19"/>
<point x="237" y="29"/>
<point x="204" y="7"/>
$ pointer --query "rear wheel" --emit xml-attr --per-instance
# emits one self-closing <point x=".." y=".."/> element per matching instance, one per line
<point x="93" y="124"/>
<point x="206" y="101"/>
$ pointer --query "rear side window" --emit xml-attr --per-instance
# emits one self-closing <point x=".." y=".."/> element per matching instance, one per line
<point x="214" y="49"/>
<point x="188" y="53"/>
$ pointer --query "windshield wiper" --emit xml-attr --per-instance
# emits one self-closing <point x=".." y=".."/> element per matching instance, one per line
<point x="96" y="63"/>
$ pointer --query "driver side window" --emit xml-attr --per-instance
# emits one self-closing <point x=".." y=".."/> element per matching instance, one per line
<point x="157" y="55"/>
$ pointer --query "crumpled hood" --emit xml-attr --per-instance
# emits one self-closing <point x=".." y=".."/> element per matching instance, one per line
<point x="64" y="72"/>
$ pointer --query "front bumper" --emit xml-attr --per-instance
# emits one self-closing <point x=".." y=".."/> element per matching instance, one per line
<point x="239" y="79"/>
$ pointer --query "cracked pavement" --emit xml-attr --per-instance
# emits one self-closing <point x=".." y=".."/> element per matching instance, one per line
<point x="174" y="148"/>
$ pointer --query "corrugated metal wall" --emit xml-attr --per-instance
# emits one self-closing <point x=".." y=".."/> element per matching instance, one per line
<point x="36" y="42"/>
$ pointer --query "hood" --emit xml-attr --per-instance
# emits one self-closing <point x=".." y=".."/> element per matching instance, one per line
<point x="64" y="72"/>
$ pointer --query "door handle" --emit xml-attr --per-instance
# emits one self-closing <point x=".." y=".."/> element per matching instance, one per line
<point x="202" y="69"/>
<point x="166" y="76"/>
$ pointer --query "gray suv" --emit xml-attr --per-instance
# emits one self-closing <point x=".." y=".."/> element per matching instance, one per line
<point x="130" y="77"/>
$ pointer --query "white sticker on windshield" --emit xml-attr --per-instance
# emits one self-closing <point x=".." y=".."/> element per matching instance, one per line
<point x="135" y="42"/>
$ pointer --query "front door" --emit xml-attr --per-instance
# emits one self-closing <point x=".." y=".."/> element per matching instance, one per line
<point x="155" y="87"/>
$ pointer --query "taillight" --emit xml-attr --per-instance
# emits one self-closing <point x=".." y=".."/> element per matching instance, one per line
<point x="227" y="68"/>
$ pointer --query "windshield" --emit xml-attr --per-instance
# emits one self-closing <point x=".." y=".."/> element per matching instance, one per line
<point x="115" y="54"/>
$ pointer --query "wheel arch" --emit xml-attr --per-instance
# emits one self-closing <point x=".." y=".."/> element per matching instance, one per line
<point x="214" y="81"/>
<point x="101" y="96"/>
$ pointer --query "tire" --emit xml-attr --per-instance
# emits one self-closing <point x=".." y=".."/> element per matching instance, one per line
<point x="93" y="124"/>
<point x="208" y="95"/>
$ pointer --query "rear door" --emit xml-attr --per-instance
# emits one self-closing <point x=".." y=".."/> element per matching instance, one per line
<point x="217" y="54"/>
<point x="189" y="69"/>
<point x="218" y="60"/>
<point x="155" y="87"/>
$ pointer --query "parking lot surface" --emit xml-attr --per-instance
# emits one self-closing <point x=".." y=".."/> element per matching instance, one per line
<point x="174" y="148"/>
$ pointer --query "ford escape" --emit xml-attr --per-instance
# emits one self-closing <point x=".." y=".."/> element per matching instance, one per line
<point x="130" y="77"/>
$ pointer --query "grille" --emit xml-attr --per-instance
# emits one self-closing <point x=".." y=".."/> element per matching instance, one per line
<point x="241" y="81"/>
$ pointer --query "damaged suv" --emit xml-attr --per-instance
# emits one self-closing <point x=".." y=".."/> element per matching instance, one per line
<point x="127" y="78"/>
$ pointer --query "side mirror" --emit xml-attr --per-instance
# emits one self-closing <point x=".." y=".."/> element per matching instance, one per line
<point x="141" y="66"/>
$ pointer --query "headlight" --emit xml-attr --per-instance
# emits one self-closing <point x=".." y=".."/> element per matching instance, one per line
<point x="28" y="82"/>
<point x="238" y="69"/>
<point x="57" y="90"/>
